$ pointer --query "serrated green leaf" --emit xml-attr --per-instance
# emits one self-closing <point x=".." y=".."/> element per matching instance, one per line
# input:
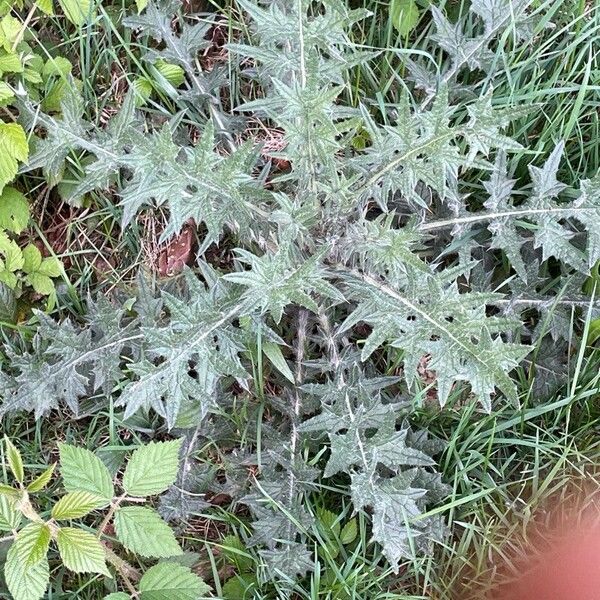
<point x="593" y="332"/>
<point x="83" y="471"/>
<point x="6" y="92"/>
<point x="50" y="267"/>
<point x="15" y="462"/>
<point x="7" y="490"/>
<point x="46" y="6"/>
<point x="168" y="581"/>
<point x="13" y="149"/>
<point x="10" y="63"/>
<point x="40" y="482"/>
<point x="57" y="66"/>
<point x="7" y="278"/>
<point x="329" y="521"/>
<point x="42" y="284"/>
<point x="32" y="258"/>
<point x="117" y="596"/>
<point x="143" y="90"/>
<point x="13" y="257"/>
<point x="77" y="11"/>
<point x="40" y="270"/>
<point x="32" y="76"/>
<point x="14" y="210"/>
<point x="81" y="552"/>
<point x="240" y="586"/>
<point x="10" y="517"/>
<point x="10" y="30"/>
<point x="52" y="101"/>
<point x="349" y="532"/>
<point x="75" y="505"/>
<point x="142" y="531"/>
<point x="174" y="74"/>
<point x="32" y="543"/>
<point x="141" y="5"/>
<point x="275" y="355"/>
<point x="23" y="582"/>
<point x="152" y="468"/>
<point x="404" y="15"/>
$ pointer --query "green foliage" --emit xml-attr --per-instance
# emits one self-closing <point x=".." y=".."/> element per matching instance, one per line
<point x="83" y="471"/>
<point x="21" y="267"/>
<point x="13" y="150"/>
<point x="170" y="581"/>
<point x="82" y="548"/>
<point x="383" y="248"/>
<point x="152" y="468"/>
<point x="166" y="77"/>
<point x="141" y="530"/>
<point x="81" y="551"/>
<point x="14" y="210"/>
<point x="404" y="15"/>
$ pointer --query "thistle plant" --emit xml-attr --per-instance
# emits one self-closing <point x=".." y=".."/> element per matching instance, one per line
<point x="354" y="257"/>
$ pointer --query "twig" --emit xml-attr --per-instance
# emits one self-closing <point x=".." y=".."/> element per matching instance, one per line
<point x="128" y="573"/>
<point x="109" y="515"/>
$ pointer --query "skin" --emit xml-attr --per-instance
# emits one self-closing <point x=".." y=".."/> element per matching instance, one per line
<point x="567" y="568"/>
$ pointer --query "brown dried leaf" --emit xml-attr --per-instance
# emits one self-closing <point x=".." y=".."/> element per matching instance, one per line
<point x="177" y="252"/>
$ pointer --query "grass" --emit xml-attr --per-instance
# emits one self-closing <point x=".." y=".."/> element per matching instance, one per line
<point x="508" y="471"/>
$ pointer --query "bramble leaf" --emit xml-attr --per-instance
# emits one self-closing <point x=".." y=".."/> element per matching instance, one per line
<point x="13" y="149"/>
<point x="81" y="552"/>
<point x="25" y="582"/>
<point x="14" y="210"/>
<point x="10" y="517"/>
<point x="152" y="468"/>
<point x="40" y="482"/>
<point x="141" y="530"/>
<point x="83" y="471"/>
<point x="170" y="581"/>
<point x="75" y="505"/>
<point x="15" y="462"/>
<point x="32" y="543"/>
